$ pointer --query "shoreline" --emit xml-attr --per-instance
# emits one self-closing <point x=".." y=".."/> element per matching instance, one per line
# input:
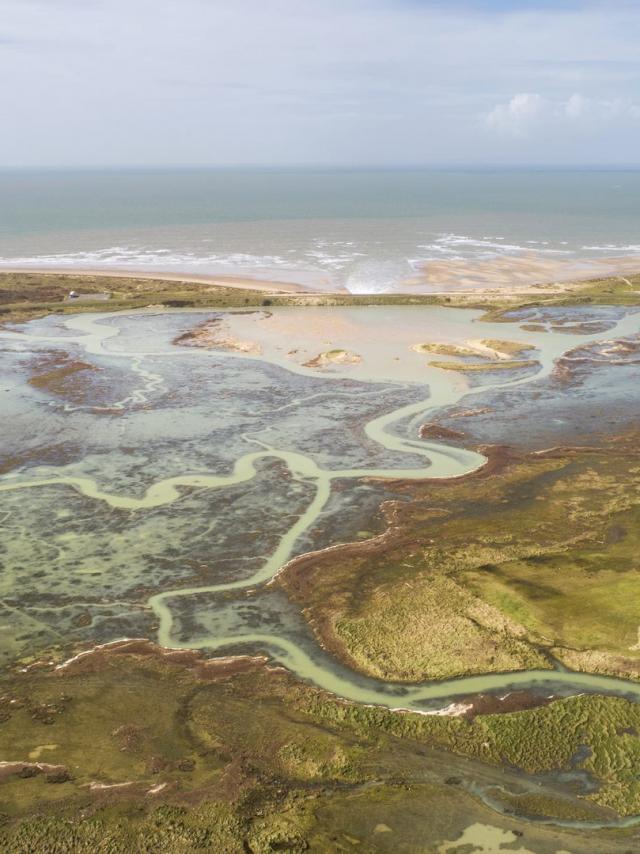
<point x="482" y="279"/>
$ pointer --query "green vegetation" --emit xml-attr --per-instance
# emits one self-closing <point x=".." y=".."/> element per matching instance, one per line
<point x="547" y="563"/>
<point x="145" y="751"/>
<point x="24" y="296"/>
<point x="597" y="735"/>
<point x="486" y="348"/>
<point x="432" y="626"/>
<point x="333" y="357"/>
<point x="504" y="349"/>
<point x="494" y="355"/>
<point x="28" y="295"/>
<point x="614" y="290"/>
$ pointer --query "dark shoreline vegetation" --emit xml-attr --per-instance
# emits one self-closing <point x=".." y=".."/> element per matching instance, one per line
<point x="135" y="748"/>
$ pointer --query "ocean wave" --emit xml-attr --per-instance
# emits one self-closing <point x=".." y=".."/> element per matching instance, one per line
<point x="364" y="265"/>
<point x="613" y="247"/>
<point x="460" y="247"/>
<point x="377" y="277"/>
<point x="337" y="262"/>
<point x="116" y="256"/>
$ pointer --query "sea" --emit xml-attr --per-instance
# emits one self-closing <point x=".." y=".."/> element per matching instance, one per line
<point x="365" y="231"/>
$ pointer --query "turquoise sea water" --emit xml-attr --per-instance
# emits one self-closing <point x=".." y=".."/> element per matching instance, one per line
<point x="366" y="230"/>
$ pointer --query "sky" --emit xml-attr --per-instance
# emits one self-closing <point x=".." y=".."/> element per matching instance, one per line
<point x="319" y="82"/>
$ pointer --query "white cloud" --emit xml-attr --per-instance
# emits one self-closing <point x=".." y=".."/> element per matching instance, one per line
<point x="519" y="115"/>
<point x="527" y="114"/>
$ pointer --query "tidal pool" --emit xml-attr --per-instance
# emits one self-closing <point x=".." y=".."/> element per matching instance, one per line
<point x="154" y="489"/>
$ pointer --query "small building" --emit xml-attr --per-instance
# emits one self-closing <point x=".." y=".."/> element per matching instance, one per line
<point x="97" y="297"/>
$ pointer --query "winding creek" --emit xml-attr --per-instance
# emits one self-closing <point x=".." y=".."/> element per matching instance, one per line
<point x="95" y="334"/>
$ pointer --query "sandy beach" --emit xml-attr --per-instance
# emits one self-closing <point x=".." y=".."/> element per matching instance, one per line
<point x="515" y="274"/>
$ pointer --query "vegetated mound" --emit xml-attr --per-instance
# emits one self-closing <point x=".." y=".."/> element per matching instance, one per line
<point x="443" y="349"/>
<point x="482" y="355"/>
<point x="482" y="367"/>
<point x="437" y="431"/>
<point x="544" y="568"/>
<point x="334" y="357"/>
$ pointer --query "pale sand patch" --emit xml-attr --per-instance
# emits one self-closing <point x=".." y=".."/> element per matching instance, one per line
<point x="483" y="839"/>
<point x="385" y="338"/>
<point x="103" y="787"/>
<point x="518" y="274"/>
<point x="527" y="273"/>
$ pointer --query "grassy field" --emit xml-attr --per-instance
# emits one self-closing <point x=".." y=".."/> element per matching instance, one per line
<point x="544" y="566"/>
<point x="135" y="750"/>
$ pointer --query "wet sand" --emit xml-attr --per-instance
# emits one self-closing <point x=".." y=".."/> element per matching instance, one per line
<point x="518" y="273"/>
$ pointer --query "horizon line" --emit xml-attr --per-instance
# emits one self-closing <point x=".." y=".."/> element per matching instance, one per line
<point x="323" y="167"/>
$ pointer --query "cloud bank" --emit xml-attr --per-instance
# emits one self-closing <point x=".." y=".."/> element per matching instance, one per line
<point x="529" y="113"/>
<point x="285" y="82"/>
